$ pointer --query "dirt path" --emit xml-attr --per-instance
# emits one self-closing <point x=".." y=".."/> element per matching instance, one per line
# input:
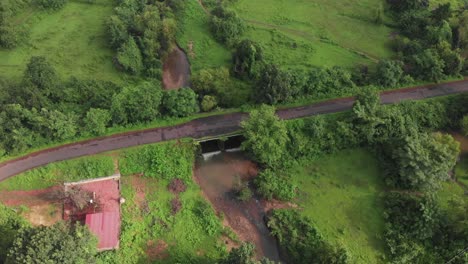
<point x="209" y="126"/>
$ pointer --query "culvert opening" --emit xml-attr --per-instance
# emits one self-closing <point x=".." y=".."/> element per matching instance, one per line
<point x="212" y="147"/>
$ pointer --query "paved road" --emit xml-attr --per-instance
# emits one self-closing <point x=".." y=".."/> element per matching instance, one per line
<point x="208" y="126"/>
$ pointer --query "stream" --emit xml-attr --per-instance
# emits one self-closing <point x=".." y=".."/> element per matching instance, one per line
<point x="216" y="176"/>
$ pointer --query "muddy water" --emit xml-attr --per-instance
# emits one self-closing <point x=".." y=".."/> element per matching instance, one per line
<point x="176" y="70"/>
<point x="216" y="178"/>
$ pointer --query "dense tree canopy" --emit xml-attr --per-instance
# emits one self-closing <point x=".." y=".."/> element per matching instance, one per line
<point x="273" y="85"/>
<point x="10" y="223"/>
<point x="266" y="136"/>
<point x="60" y="243"/>
<point x="180" y="103"/>
<point x="136" y="104"/>
<point x="245" y="58"/>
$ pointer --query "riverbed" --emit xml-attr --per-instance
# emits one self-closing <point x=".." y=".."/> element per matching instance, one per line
<point x="217" y="177"/>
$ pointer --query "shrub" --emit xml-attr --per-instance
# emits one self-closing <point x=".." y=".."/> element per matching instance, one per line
<point x="52" y="4"/>
<point x="301" y="241"/>
<point x="226" y="25"/>
<point x="208" y="103"/>
<point x="168" y="161"/>
<point x="180" y="103"/>
<point x="275" y="185"/>
<point x="129" y="57"/>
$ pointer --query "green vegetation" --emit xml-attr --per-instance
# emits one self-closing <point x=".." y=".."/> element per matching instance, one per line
<point x="301" y="241"/>
<point x="60" y="243"/>
<point x="10" y="223"/>
<point x="190" y="235"/>
<point x="303" y="34"/>
<point x="166" y="161"/>
<point x="57" y="173"/>
<point x="194" y="37"/>
<point x="340" y="193"/>
<point x="72" y="38"/>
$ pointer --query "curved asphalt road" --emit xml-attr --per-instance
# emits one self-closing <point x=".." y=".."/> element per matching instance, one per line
<point x="208" y="126"/>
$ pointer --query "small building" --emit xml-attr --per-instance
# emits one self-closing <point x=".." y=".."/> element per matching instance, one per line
<point x="106" y="226"/>
<point x="102" y="211"/>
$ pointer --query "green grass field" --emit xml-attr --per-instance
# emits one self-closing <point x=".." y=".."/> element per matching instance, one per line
<point x="72" y="39"/>
<point x="302" y="33"/>
<point x="340" y="194"/>
<point x="194" y="30"/>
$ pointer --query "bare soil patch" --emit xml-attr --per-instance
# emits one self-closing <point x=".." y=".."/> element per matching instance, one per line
<point x="41" y="206"/>
<point x="463" y="141"/>
<point x="176" y="70"/>
<point x="157" y="250"/>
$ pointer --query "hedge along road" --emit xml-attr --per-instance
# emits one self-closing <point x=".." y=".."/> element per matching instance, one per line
<point x="207" y="127"/>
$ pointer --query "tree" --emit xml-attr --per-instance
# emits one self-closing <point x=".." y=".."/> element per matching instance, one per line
<point x="180" y="103"/>
<point x="60" y="126"/>
<point x="129" y="57"/>
<point x="245" y="58"/>
<point x="40" y="73"/>
<point x="135" y="104"/>
<point x="60" y="243"/>
<point x="442" y="12"/>
<point x="389" y="73"/>
<point x="208" y="103"/>
<point x="427" y="65"/>
<point x="211" y="81"/>
<point x="266" y="136"/>
<point x="10" y="223"/>
<point x="226" y="25"/>
<point x="118" y="33"/>
<point x="96" y="121"/>
<point x="424" y="160"/>
<point x="273" y="85"/>
<point x="453" y="61"/>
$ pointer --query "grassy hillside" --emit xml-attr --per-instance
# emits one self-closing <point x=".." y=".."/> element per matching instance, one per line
<point x="340" y="193"/>
<point x="301" y="33"/>
<point x="72" y="38"/>
<point x="195" y="38"/>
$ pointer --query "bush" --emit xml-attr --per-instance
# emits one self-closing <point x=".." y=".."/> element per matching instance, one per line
<point x="180" y="103"/>
<point x="301" y="241"/>
<point x="276" y="185"/>
<point x="226" y="25"/>
<point x="52" y="4"/>
<point x="208" y="103"/>
<point x="167" y="161"/>
<point x="129" y="57"/>
<point x="136" y="104"/>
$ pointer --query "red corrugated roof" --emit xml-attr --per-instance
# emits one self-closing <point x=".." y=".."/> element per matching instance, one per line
<point x="106" y="227"/>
